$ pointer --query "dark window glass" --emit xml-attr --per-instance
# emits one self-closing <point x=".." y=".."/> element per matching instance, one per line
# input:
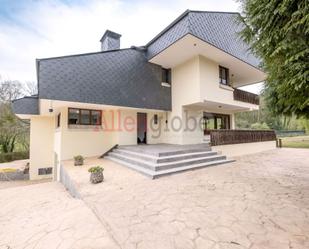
<point x="223" y="75"/>
<point x="95" y="117"/>
<point x="166" y="75"/>
<point x="85" y="117"/>
<point x="74" y="117"/>
<point x="214" y="121"/>
<point x="155" y="119"/>
<point x="45" y="171"/>
<point x="58" y="120"/>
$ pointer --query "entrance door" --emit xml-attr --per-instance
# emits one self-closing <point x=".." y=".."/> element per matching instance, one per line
<point x="141" y="128"/>
<point x="215" y="121"/>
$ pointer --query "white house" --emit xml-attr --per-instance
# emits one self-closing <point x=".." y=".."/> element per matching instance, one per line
<point x="180" y="88"/>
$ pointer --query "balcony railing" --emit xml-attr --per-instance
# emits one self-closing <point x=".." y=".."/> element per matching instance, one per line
<point x="222" y="137"/>
<point x="247" y="97"/>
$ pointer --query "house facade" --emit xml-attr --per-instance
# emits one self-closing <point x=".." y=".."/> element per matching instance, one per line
<point x="180" y="88"/>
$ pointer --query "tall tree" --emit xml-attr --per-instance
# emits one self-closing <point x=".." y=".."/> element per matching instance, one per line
<point x="278" y="31"/>
<point x="12" y="129"/>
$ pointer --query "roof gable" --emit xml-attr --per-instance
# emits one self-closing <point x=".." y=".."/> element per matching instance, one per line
<point x="220" y="29"/>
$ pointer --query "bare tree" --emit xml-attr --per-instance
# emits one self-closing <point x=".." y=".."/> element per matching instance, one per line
<point x="10" y="90"/>
<point x="30" y="88"/>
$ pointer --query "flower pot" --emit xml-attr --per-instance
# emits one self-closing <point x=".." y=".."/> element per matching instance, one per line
<point x="78" y="162"/>
<point x="96" y="177"/>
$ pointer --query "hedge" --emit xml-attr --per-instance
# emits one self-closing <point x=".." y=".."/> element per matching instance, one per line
<point x="12" y="156"/>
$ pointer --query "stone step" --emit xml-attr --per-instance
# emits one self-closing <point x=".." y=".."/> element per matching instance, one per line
<point x="154" y="174"/>
<point x="156" y="159"/>
<point x="164" y="165"/>
<point x="169" y="152"/>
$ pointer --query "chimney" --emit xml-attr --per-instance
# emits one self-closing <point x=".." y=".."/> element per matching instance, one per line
<point x="110" y="41"/>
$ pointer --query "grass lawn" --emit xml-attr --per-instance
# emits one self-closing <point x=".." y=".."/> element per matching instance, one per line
<point x="296" y="142"/>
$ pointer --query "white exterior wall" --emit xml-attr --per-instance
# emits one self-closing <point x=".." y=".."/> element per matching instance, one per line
<point x="185" y="90"/>
<point x="118" y="127"/>
<point x="196" y="82"/>
<point x="233" y="150"/>
<point x="41" y="145"/>
<point x="212" y="90"/>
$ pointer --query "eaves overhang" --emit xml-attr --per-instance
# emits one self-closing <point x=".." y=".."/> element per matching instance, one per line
<point x="28" y="105"/>
<point x="219" y="29"/>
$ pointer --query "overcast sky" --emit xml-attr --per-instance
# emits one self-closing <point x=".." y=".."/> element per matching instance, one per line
<point x="39" y="28"/>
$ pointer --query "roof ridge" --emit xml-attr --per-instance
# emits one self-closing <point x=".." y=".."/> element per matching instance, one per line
<point x="84" y="54"/>
<point x="214" y="11"/>
<point x="179" y="18"/>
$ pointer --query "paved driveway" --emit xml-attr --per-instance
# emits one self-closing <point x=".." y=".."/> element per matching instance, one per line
<point x="260" y="201"/>
<point x="46" y="216"/>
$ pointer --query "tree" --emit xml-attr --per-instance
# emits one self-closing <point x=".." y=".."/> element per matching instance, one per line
<point x="263" y="119"/>
<point x="10" y="90"/>
<point x="278" y="32"/>
<point x="30" y="88"/>
<point x="12" y="129"/>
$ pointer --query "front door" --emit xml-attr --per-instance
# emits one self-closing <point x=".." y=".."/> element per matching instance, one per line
<point x="141" y="128"/>
<point x="215" y="121"/>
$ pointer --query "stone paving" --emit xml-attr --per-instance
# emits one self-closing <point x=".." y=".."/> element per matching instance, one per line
<point x="260" y="201"/>
<point x="46" y="216"/>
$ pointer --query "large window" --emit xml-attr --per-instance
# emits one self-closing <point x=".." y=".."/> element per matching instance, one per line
<point x="215" y="121"/>
<point x="224" y="75"/>
<point x="84" y="117"/>
<point x="166" y="75"/>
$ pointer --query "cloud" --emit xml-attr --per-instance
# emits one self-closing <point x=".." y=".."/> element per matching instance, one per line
<point x="40" y="29"/>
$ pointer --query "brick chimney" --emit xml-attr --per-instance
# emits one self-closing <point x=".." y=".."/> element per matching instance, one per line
<point x="110" y="41"/>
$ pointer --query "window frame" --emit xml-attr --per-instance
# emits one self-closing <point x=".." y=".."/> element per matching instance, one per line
<point x="58" y="122"/>
<point x="166" y="75"/>
<point x="90" y="116"/>
<point x="227" y="77"/>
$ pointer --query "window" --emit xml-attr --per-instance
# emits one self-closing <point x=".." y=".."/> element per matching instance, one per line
<point x="84" y="117"/>
<point x="155" y="119"/>
<point x="58" y="120"/>
<point x="166" y="75"/>
<point x="223" y="75"/>
<point x="214" y="121"/>
<point x="96" y="117"/>
<point x="45" y="171"/>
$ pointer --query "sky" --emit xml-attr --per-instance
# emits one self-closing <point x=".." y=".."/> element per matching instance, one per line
<point x="34" y="29"/>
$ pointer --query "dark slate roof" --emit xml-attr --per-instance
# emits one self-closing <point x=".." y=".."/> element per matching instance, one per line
<point x="121" y="77"/>
<point x="26" y="105"/>
<point x="219" y="29"/>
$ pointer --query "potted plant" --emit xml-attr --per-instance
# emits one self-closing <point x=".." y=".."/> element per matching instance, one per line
<point x="78" y="160"/>
<point x="96" y="175"/>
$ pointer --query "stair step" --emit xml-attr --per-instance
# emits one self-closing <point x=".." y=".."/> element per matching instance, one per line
<point x="165" y="165"/>
<point x="172" y="152"/>
<point x="191" y="167"/>
<point x="156" y="159"/>
<point x="155" y="174"/>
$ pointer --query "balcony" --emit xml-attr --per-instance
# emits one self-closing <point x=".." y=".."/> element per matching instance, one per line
<point x="247" y="97"/>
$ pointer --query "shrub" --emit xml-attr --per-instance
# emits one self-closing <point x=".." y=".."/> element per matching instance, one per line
<point x="96" y="169"/>
<point x="12" y="156"/>
<point x="260" y="126"/>
<point x="78" y="160"/>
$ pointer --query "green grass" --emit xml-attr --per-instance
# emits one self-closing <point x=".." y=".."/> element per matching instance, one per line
<point x="296" y="142"/>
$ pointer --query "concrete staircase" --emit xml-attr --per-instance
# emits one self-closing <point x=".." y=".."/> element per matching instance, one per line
<point x="153" y="162"/>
